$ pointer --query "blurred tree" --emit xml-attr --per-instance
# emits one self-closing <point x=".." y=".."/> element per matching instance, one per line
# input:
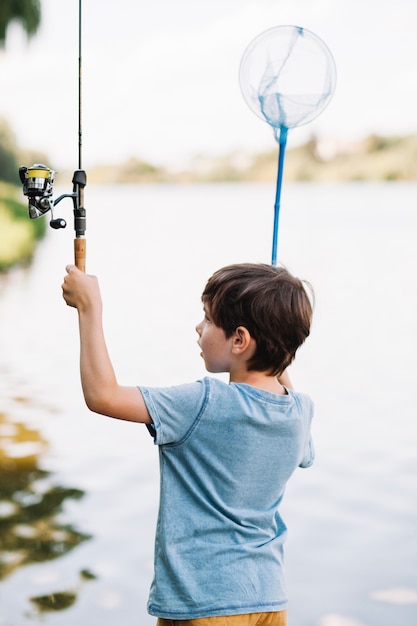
<point x="27" y="12"/>
<point x="8" y="154"/>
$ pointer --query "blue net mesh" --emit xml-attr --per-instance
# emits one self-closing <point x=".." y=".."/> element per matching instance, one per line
<point x="287" y="76"/>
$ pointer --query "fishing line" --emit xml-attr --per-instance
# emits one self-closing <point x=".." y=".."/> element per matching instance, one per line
<point x="80" y="131"/>
<point x="38" y="181"/>
<point x="287" y="77"/>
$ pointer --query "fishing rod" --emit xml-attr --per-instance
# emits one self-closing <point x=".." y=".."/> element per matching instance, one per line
<point x="38" y="181"/>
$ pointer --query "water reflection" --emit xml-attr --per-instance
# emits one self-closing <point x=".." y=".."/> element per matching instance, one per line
<point x="54" y="601"/>
<point x="32" y="529"/>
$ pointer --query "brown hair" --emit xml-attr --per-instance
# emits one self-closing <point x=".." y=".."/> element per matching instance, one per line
<point x="271" y="303"/>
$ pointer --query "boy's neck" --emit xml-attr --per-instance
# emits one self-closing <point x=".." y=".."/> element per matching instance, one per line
<point x="260" y="380"/>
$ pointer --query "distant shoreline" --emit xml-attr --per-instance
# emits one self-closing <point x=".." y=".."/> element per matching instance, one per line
<point x="375" y="158"/>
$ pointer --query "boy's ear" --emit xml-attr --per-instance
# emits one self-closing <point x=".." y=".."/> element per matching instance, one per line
<point x="242" y="340"/>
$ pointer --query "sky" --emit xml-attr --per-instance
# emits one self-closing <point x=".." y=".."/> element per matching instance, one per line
<point x="160" y="79"/>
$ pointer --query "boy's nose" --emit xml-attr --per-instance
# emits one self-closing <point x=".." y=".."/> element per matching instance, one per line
<point x="198" y="328"/>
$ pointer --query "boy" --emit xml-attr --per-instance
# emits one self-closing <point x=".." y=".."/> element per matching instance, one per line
<point x="226" y="450"/>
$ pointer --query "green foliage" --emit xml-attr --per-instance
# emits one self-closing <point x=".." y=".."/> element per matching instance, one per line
<point x="12" y="156"/>
<point x="8" y="154"/>
<point x="26" y="12"/>
<point x="18" y="233"/>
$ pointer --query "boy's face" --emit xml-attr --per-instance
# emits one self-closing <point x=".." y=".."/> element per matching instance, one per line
<point x="215" y="347"/>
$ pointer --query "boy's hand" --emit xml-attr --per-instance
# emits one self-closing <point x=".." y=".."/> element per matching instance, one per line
<point x="81" y="290"/>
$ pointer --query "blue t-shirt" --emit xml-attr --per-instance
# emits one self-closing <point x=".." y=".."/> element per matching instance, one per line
<point x="226" y="453"/>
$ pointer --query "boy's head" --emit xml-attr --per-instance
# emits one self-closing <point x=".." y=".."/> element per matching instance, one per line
<point x="269" y="302"/>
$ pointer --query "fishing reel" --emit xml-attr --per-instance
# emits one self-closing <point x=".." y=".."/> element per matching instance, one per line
<point x="38" y="187"/>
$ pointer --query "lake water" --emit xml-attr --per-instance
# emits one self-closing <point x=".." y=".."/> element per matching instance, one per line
<point x="79" y="492"/>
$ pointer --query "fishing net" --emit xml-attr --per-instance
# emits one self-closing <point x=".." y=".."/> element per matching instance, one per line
<point x="287" y="76"/>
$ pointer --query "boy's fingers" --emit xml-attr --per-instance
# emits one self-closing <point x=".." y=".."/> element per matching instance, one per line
<point x="69" y="268"/>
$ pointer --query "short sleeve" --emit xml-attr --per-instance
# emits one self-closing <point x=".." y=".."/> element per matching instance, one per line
<point x="308" y="456"/>
<point x="175" y="410"/>
<point x="307" y="409"/>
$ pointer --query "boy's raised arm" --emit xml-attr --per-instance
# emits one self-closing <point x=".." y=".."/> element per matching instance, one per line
<point x="101" y="390"/>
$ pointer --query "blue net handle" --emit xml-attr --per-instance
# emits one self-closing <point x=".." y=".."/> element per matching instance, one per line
<point x="281" y="137"/>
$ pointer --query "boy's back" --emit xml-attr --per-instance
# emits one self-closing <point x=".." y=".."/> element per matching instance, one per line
<point x="226" y="453"/>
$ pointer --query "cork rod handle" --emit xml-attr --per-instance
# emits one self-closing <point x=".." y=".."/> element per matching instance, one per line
<point x="80" y="247"/>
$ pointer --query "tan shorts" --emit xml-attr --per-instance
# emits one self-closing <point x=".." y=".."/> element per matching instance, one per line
<point x="249" y="619"/>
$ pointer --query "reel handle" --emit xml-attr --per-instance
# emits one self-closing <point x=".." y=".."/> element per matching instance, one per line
<point x="80" y="249"/>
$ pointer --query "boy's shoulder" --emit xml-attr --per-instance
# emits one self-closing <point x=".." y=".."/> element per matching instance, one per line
<point x="216" y="386"/>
